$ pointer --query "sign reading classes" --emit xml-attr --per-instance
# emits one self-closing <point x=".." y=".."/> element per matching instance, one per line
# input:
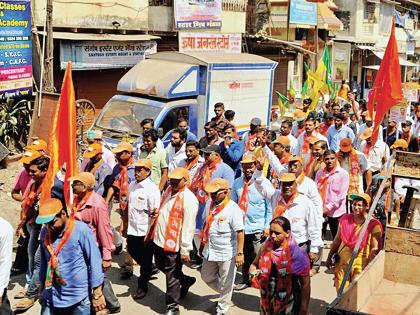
<point x="15" y="49"/>
<point x="198" y="14"/>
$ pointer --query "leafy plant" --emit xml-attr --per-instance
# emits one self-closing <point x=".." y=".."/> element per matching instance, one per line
<point x="15" y="120"/>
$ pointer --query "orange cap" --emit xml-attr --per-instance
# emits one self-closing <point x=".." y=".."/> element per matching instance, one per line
<point x="93" y="150"/>
<point x="283" y="140"/>
<point x="299" y="115"/>
<point x="287" y="177"/>
<point x="296" y="159"/>
<point x="179" y="173"/>
<point x="366" y="134"/>
<point x="248" y="158"/>
<point x="30" y="155"/>
<point x="121" y="147"/>
<point x="363" y="196"/>
<point x="38" y="145"/>
<point x="346" y="145"/>
<point x="216" y="184"/>
<point x="85" y="177"/>
<point x="399" y="143"/>
<point x="144" y="163"/>
<point x="48" y="210"/>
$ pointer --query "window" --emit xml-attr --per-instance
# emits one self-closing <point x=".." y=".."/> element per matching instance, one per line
<point x="170" y="121"/>
<point x="369" y="12"/>
<point x="344" y="17"/>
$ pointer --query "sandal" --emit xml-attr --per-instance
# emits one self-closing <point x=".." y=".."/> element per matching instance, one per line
<point x="24" y="304"/>
<point x="21" y="294"/>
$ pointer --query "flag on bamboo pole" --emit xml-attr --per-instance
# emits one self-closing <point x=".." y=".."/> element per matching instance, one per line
<point x="62" y="138"/>
<point x="387" y="88"/>
<point x="321" y="78"/>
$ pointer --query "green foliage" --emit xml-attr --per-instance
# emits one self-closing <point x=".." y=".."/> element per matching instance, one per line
<point x="15" y="120"/>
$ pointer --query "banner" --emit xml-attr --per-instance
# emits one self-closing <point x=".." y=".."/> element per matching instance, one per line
<point x="104" y="54"/>
<point x="198" y="14"/>
<point x="398" y="113"/>
<point x="303" y="12"/>
<point x="341" y="61"/>
<point x="15" y="49"/>
<point x="224" y="43"/>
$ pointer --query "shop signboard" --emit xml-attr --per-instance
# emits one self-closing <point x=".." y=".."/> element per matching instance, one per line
<point x="303" y="12"/>
<point x="209" y="42"/>
<point x="15" y="49"/>
<point x="198" y="14"/>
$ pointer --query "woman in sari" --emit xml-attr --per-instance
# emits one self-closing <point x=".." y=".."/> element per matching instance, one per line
<point x="281" y="272"/>
<point x="348" y="232"/>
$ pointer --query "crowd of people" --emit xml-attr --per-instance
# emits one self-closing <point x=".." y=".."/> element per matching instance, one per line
<point x="260" y="202"/>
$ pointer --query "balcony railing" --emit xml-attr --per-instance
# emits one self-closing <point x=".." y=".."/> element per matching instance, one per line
<point x="234" y="5"/>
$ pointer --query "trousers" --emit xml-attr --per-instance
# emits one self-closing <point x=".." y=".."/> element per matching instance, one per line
<point x="143" y="254"/>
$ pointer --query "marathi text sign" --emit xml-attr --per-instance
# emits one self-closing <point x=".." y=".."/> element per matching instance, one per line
<point x="224" y="43"/>
<point x="104" y="54"/>
<point x="15" y="49"/>
<point x="198" y="14"/>
<point x="303" y="12"/>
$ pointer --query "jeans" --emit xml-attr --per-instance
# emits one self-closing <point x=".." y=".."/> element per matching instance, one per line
<point x="34" y="284"/>
<point x="33" y="230"/>
<point x="251" y="244"/>
<point x="81" y="308"/>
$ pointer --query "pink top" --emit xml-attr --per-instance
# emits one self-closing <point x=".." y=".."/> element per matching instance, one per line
<point x="95" y="214"/>
<point x="335" y="196"/>
<point x="22" y="182"/>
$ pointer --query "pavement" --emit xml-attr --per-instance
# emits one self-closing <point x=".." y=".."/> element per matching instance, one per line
<point x="200" y="299"/>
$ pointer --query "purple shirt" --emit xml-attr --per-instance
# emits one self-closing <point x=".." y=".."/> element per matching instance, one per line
<point x="336" y="193"/>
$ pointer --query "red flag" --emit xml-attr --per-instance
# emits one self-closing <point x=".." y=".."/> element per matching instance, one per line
<point x="62" y="138"/>
<point x="387" y="88"/>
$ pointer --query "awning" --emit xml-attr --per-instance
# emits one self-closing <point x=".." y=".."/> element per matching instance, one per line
<point x="365" y="47"/>
<point x="327" y="19"/>
<point x="264" y="40"/>
<point x="376" y="67"/>
<point x="403" y="61"/>
<point x="103" y="37"/>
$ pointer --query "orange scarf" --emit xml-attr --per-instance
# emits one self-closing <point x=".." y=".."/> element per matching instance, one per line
<point x="190" y="165"/>
<point x="300" y="179"/>
<point x="322" y="182"/>
<point x="305" y="146"/>
<point x="204" y="233"/>
<point x="122" y="184"/>
<point x="282" y="206"/>
<point x="53" y="269"/>
<point x="250" y="144"/>
<point x="202" y="178"/>
<point x="286" y="157"/>
<point x="309" y="164"/>
<point x="354" y="171"/>
<point x="78" y="204"/>
<point x="28" y="212"/>
<point x="244" y="200"/>
<point x="367" y="148"/>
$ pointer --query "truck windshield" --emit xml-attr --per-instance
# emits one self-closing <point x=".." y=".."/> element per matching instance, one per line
<point x="125" y="116"/>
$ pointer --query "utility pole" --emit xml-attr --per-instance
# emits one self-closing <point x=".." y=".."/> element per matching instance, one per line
<point x="49" y="61"/>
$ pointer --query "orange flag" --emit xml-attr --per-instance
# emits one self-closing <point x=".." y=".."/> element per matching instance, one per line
<point x="62" y="138"/>
<point x="387" y="88"/>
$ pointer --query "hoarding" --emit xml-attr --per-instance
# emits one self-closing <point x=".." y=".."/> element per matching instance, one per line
<point x="198" y="14"/>
<point x="89" y="55"/>
<point x="15" y="49"/>
<point x="303" y="12"/>
<point x="208" y="42"/>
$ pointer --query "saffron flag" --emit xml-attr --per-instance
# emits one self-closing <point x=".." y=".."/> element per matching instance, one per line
<point x="387" y="88"/>
<point x="62" y="138"/>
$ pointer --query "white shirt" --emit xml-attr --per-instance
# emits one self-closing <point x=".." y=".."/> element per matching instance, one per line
<point x="186" y="234"/>
<point x="222" y="245"/>
<point x="306" y="157"/>
<point x="193" y="169"/>
<point x="6" y="250"/>
<point x="364" y="165"/>
<point x="144" y="195"/>
<point x="293" y="144"/>
<point x="376" y="154"/>
<point x="363" y="127"/>
<point x="175" y="158"/>
<point x="302" y="214"/>
<point x="274" y="161"/>
<point x="108" y="157"/>
<point x="309" y="189"/>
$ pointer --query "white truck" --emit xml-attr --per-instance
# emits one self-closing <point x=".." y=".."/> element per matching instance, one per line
<point x="170" y="85"/>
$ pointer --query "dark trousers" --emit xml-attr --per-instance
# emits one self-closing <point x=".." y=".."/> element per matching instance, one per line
<point x="251" y="245"/>
<point x="5" y="308"/>
<point x="143" y="255"/>
<point x="333" y="223"/>
<point x="170" y="264"/>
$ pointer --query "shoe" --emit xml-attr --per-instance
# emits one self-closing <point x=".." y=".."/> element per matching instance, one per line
<point x="196" y="265"/>
<point x="172" y="312"/>
<point x="103" y="312"/>
<point x="141" y="293"/>
<point x="118" y="250"/>
<point x="16" y="271"/>
<point x="155" y="270"/>
<point x="186" y="285"/>
<point x="241" y="286"/>
<point x="126" y="272"/>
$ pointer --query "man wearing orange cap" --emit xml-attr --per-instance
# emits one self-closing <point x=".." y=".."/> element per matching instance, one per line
<point x="144" y="200"/>
<point x="97" y="167"/>
<point x="222" y="242"/>
<point x="38" y="145"/>
<point x="95" y="136"/>
<point x="377" y="154"/>
<point x="90" y="207"/>
<point x="257" y="213"/>
<point x="303" y="148"/>
<point x="356" y="164"/>
<point x="172" y="233"/>
<point x="299" y="125"/>
<point x="70" y="271"/>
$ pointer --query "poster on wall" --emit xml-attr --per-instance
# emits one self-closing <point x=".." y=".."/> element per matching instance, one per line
<point x="209" y="42"/>
<point x="15" y="49"/>
<point x="341" y="61"/>
<point x="198" y="14"/>
<point x="303" y="12"/>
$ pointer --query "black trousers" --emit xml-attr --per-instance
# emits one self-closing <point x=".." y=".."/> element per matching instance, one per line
<point x="171" y="265"/>
<point x="333" y="223"/>
<point x="251" y="245"/>
<point x="143" y="254"/>
<point x="5" y="308"/>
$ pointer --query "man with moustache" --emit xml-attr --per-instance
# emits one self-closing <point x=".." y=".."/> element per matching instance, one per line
<point x="194" y="160"/>
<point x="338" y="132"/>
<point x="176" y="149"/>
